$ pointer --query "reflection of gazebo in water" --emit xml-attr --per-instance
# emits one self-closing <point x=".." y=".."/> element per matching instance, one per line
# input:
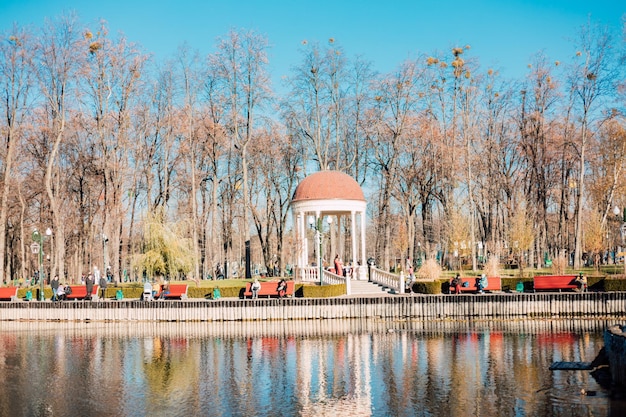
<point x="332" y="204"/>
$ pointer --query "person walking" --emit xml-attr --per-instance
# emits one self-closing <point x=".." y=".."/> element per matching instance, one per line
<point x="103" y="286"/>
<point x="89" y="283"/>
<point x="54" y="283"/>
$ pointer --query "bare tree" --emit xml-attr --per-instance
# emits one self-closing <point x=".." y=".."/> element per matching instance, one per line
<point x="591" y="80"/>
<point x="111" y="76"/>
<point x="241" y="67"/>
<point x="15" y="82"/>
<point x="59" y="52"/>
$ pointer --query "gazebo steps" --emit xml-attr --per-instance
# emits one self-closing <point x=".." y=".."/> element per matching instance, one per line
<point x="367" y="288"/>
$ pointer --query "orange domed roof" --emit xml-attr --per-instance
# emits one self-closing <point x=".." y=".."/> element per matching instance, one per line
<point x="328" y="185"/>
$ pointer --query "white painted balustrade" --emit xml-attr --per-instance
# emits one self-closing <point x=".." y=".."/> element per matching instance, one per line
<point x="387" y="279"/>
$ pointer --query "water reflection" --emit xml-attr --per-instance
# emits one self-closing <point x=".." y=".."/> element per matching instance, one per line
<point x="497" y="368"/>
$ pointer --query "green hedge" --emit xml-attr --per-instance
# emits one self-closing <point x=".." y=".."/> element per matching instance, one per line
<point x="434" y="287"/>
<point x="614" y="284"/>
<point x="320" y="291"/>
<point x="134" y="290"/>
<point x="595" y="283"/>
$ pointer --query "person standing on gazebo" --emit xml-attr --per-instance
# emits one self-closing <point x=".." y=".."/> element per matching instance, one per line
<point x="338" y="267"/>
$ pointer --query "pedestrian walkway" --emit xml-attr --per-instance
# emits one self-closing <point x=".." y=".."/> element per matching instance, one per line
<point x="366" y="288"/>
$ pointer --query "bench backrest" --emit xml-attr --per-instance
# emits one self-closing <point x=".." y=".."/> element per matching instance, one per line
<point x="554" y="281"/>
<point x="175" y="290"/>
<point x="8" y="292"/>
<point x="269" y="288"/>
<point x="79" y="291"/>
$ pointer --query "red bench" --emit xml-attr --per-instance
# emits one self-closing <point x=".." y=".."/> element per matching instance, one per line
<point x="269" y="289"/>
<point x="8" y="293"/>
<point x="79" y="292"/>
<point x="555" y="282"/>
<point x="493" y="284"/>
<point x="178" y="291"/>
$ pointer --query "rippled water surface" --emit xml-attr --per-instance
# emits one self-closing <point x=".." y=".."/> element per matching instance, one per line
<point x="306" y="368"/>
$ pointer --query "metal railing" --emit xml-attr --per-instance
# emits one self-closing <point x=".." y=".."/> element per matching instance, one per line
<point x="387" y="279"/>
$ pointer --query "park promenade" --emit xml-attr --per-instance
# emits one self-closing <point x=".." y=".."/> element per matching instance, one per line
<point x="395" y="307"/>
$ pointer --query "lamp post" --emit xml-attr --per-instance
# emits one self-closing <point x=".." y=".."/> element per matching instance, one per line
<point x="622" y="229"/>
<point x="317" y="226"/>
<point x="105" y="239"/>
<point x="37" y="237"/>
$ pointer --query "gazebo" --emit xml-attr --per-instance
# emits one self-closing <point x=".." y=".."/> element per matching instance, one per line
<point x="332" y="204"/>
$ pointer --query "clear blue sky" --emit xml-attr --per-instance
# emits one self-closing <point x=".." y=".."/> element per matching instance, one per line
<point x="503" y="34"/>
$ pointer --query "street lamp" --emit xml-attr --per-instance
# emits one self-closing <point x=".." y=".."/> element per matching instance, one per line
<point x="105" y="239"/>
<point x="37" y="237"/>
<point x="318" y="239"/>
<point x="616" y="212"/>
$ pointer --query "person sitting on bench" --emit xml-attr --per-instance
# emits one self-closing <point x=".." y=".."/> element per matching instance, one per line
<point x="282" y="288"/>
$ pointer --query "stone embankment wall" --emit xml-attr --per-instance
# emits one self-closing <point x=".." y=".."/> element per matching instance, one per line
<point x="615" y="347"/>
<point x="397" y="307"/>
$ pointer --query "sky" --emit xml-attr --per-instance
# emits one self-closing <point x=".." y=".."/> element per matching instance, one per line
<point x="503" y="34"/>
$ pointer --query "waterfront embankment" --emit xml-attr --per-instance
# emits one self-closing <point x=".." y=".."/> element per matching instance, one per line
<point x="501" y="305"/>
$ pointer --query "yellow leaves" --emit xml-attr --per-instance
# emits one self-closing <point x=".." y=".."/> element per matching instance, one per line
<point x="521" y="231"/>
<point x="594" y="236"/>
<point x="94" y="47"/>
<point x="457" y="51"/>
<point x="331" y="41"/>
<point x="15" y="40"/>
<point x="557" y="63"/>
<point x="431" y="60"/>
<point x="490" y="71"/>
<point x="578" y="53"/>
<point x="88" y="35"/>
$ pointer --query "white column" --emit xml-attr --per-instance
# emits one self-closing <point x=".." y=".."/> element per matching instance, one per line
<point x="304" y="242"/>
<point x="363" y="269"/>
<point x="355" y="253"/>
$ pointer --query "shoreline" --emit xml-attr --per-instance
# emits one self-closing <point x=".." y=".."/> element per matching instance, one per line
<point x="498" y="305"/>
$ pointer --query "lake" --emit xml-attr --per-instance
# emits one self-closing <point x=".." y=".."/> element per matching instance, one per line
<point x="302" y="368"/>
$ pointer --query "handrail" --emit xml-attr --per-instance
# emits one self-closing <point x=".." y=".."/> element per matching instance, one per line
<point x="387" y="279"/>
<point x="332" y="278"/>
<point x="308" y="274"/>
<point x="311" y="274"/>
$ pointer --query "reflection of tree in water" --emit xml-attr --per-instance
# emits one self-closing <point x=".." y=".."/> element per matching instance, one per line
<point x="172" y="365"/>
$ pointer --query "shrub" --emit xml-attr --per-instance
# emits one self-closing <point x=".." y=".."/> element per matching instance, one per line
<point x="431" y="270"/>
<point x="317" y="291"/>
<point x="614" y="284"/>
<point x="492" y="268"/>
<point x="429" y="287"/>
<point x="559" y="264"/>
